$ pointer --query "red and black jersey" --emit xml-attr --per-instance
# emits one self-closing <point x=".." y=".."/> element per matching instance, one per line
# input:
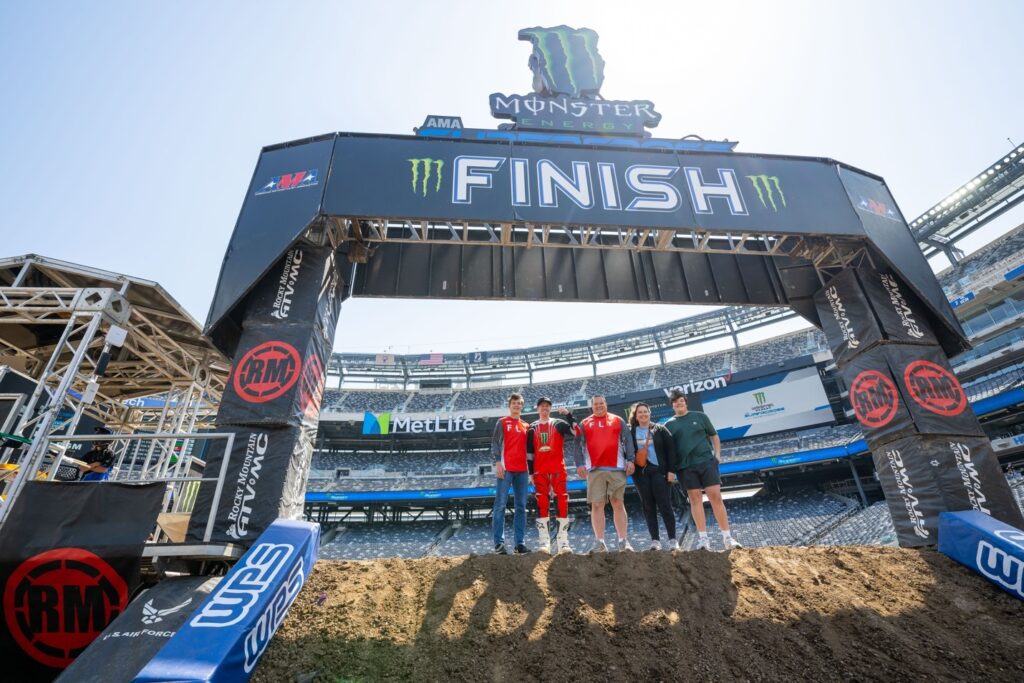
<point x="606" y="442"/>
<point x="552" y="434"/>
<point x="508" y="443"/>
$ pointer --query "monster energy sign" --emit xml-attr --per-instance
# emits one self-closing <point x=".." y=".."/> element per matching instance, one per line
<point x="426" y="175"/>
<point x="567" y="76"/>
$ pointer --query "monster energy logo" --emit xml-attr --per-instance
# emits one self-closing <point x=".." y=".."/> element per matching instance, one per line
<point x="565" y="61"/>
<point x="759" y="397"/>
<point x="431" y="168"/>
<point x="763" y="184"/>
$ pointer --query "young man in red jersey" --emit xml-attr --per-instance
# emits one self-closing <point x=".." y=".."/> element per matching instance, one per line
<point x="605" y="458"/>
<point x="545" y="453"/>
<point x="508" y="449"/>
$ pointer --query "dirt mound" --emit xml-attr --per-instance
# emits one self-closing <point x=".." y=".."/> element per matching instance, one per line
<point x="856" y="613"/>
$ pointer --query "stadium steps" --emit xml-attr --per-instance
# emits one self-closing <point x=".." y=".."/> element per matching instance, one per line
<point x="434" y="549"/>
<point x="853" y="508"/>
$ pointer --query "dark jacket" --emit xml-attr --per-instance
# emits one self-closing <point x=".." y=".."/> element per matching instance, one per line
<point x="664" y="448"/>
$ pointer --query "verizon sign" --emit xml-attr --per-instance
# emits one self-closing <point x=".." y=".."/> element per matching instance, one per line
<point x="693" y="386"/>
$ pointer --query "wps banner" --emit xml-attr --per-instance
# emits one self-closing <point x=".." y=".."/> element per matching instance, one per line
<point x="131" y="640"/>
<point x="266" y="479"/>
<point x="225" y="637"/>
<point x="69" y="561"/>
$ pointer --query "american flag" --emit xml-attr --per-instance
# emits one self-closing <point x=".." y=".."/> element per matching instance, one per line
<point x="432" y="359"/>
<point x="385" y="359"/>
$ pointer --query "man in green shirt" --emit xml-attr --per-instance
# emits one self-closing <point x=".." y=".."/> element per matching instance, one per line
<point x="698" y="452"/>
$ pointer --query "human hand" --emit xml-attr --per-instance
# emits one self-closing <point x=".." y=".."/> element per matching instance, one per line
<point x="530" y="478"/>
<point x="563" y="411"/>
<point x="499" y="470"/>
<point x="581" y="472"/>
<point x="671" y="477"/>
<point x="630" y="468"/>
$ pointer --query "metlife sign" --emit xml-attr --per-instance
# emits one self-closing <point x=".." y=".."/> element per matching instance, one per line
<point x="382" y="424"/>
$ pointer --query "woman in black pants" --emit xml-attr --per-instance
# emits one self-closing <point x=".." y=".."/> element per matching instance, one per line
<point x="654" y="480"/>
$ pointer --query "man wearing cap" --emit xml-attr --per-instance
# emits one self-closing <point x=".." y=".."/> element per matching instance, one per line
<point x="98" y="460"/>
<point x="545" y="455"/>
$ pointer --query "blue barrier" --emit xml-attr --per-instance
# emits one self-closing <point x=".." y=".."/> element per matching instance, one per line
<point x="226" y="636"/>
<point x="990" y="547"/>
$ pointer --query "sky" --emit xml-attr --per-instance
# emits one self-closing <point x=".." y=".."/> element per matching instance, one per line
<point x="132" y="129"/>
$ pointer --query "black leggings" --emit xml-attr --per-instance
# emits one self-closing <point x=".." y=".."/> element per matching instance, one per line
<point x="656" y="496"/>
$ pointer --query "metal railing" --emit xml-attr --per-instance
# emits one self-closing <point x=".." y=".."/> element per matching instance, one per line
<point x="182" y="486"/>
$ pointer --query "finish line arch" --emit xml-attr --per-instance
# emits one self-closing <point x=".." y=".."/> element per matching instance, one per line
<point x="402" y="216"/>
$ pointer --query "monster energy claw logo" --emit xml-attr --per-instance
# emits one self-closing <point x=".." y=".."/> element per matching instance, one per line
<point x="422" y="171"/>
<point x="565" y="61"/>
<point x="763" y="184"/>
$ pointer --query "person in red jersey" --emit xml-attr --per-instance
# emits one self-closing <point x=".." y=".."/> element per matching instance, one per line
<point x="545" y="452"/>
<point x="508" y="449"/>
<point x="605" y="459"/>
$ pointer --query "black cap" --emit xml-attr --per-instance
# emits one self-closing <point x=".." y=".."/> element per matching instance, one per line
<point x="542" y="399"/>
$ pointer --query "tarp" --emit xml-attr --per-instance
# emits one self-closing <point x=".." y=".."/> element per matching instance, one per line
<point x="131" y="640"/>
<point x="69" y="561"/>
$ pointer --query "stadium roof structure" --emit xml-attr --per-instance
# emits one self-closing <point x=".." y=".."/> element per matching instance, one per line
<point x="992" y="192"/>
<point x="489" y="365"/>
<point x="45" y="306"/>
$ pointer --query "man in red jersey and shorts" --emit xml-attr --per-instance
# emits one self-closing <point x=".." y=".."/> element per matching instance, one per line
<point x="605" y="459"/>
<point x="545" y="453"/>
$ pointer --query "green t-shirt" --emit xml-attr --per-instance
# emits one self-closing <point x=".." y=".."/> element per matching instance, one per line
<point x="692" y="433"/>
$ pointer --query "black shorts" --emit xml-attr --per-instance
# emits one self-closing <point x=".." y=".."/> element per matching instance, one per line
<point x="701" y="475"/>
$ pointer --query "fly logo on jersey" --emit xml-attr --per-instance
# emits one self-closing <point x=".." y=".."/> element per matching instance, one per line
<point x="289" y="181"/>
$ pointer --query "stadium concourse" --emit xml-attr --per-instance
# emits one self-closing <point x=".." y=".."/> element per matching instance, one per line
<point x="428" y="494"/>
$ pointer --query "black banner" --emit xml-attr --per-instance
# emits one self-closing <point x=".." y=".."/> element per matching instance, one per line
<point x="278" y="375"/>
<point x="69" y="561"/>
<point x="911" y="490"/>
<point x="896" y="308"/>
<point x="131" y="640"/>
<point x="970" y="478"/>
<point x="933" y="394"/>
<point x="876" y="398"/>
<point x="266" y="479"/>
<point x="846" y="317"/>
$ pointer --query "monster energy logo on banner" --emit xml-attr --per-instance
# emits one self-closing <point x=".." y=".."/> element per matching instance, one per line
<point x="567" y="75"/>
<point x="759" y="397"/>
<point x="565" y="61"/>
<point x="422" y="171"/>
<point x="763" y="184"/>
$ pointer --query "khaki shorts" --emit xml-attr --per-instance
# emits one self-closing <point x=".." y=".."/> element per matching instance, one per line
<point x="605" y="485"/>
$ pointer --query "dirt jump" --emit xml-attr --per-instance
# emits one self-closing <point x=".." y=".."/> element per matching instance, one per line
<point x="823" y="614"/>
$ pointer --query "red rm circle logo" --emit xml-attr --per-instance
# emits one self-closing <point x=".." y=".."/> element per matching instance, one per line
<point x="59" y="601"/>
<point x="874" y="399"/>
<point x="267" y="371"/>
<point x="935" y="388"/>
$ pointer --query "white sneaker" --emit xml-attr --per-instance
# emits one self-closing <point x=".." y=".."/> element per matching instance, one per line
<point x="703" y="544"/>
<point x="623" y="546"/>
<point x="731" y="543"/>
<point x="655" y="544"/>
<point x="673" y="544"/>
<point x="598" y="546"/>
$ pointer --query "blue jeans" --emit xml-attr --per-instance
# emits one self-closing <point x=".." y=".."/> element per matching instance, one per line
<point x="519" y="482"/>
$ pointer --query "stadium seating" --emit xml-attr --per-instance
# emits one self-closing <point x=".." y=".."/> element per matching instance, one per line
<point x="374" y="541"/>
<point x="871" y="526"/>
<point x="782" y="519"/>
<point x="957" y="279"/>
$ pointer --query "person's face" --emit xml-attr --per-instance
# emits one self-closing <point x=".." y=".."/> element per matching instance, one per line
<point x="679" y="405"/>
<point x="515" y="406"/>
<point x="544" y="410"/>
<point x="643" y="414"/>
<point x="600" y="406"/>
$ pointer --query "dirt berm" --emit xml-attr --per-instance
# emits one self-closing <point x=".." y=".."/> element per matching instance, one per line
<point x="821" y="614"/>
